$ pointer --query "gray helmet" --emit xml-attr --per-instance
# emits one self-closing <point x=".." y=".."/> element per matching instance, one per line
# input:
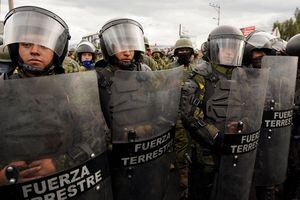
<point x="226" y="38"/>
<point x="146" y="41"/>
<point x="293" y="46"/>
<point x="183" y="43"/>
<point x="85" y="47"/>
<point x="120" y="35"/>
<point x="157" y="50"/>
<point x="72" y="49"/>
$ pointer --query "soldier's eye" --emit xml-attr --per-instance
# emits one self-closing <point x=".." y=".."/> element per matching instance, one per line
<point x="26" y="45"/>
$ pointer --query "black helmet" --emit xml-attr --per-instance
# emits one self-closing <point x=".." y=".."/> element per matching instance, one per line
<point x="257" y="40"/>
<point x="85" y="47"/>
<point x="293" y="46"/>
<point x="120" y="35"/>
<point x="225" y="38"/>
<point x="30" y="24"/>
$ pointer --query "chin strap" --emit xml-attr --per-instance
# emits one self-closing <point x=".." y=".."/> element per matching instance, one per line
<point x="35" y="70"/>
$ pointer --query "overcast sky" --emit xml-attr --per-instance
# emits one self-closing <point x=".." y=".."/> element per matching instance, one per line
<point x="161" y="18"/>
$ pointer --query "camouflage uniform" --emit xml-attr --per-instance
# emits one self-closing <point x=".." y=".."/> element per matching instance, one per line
<point x="203" y="79"/>
<point x="150" y="62"/>
<point x="159" y="59"/>
<point x="181" y="137"/>
<point x="70" y="65"/>
<point x="203" y="106"/>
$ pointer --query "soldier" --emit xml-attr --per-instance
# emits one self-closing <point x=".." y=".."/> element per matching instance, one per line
<point x="204" y="104"/>
<point x="147" y="59"/>
<point x="292" y="186"/>
<point x="258" y="45"/>
<point x="183" y="51"/>
<point x="86" y="55"/>
<point x="5" y="61"/>
<point x="147" y="47"/>
<point x="131" y="99"/>
<point x="71" y="53"/>
<point x="70" y="65"/>
<point x="42" y="134"/>
<point x="157" y="55"/>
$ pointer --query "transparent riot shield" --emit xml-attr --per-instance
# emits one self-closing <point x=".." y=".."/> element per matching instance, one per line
<point x="52" y="139"/>
<point x="243" y="121"/>
<point x="273" y="148"/>
<point x="144" y="109"/>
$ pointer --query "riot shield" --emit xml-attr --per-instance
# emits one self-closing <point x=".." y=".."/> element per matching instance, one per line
<point x="144" y="109"/>
<point x="53" y="123"/>
<point x="243" y="121"/>
<point x="273" y="148"/>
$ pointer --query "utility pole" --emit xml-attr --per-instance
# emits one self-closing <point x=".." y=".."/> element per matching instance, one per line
<point x="218" y="8"/>
<point x="10" y="4"/>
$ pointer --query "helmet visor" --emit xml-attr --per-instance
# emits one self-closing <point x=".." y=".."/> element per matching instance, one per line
<point x="227" y="51"/>
<point x="36" y="28"/>
<point x="260" y="39"/>
<point x="123" y="37"/>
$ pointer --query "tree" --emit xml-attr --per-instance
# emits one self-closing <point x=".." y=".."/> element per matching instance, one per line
<point x="289" y="27"/>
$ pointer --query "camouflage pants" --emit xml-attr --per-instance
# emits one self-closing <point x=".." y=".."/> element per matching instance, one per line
<point x="201" y="173"/>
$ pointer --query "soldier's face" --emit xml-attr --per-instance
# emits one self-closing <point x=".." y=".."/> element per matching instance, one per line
<point x="35" y="55"/>
<point x="125" y="56"/>
<point x="86" y="57"/>
<point x="226" y="55"/>
<point x="256" y="58"/>
<point x="156" y="55"/>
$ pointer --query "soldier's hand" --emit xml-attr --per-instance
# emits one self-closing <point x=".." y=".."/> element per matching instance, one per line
<point x="38" y="169"/>
<point x="17" y="164"/>
<point x="232" y="127"/>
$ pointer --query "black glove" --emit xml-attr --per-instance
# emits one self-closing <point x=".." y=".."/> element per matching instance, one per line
<point x="219" y="142"/>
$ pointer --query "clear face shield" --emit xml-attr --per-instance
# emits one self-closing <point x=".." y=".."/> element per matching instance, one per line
<point x="123" y="37"/>
<point x="34" y="27"/>
<point x="227" y="51"/>
<point x="260" y="39"/>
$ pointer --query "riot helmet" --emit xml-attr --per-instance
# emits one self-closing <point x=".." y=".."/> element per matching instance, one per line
<point x="293" y="46"/>
<point x="34" y="25"/>
<point x="257" y="42"/>
<point x="184" y="50"/>
<point x="121" y="35"/>
<point x="225" y="46"/>
<point x="85" y="47"/>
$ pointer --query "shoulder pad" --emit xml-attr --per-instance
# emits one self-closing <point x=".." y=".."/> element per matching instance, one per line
<point x="203" y="69"/>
